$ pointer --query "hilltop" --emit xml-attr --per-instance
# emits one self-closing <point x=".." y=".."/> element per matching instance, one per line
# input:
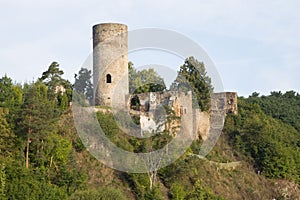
<point x="42" y="156"/>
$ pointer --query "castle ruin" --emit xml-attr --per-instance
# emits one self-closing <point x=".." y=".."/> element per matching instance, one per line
<point x="110" y="69"/>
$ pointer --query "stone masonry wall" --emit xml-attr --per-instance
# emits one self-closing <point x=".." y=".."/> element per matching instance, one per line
<point x="193" y="120"/>
<point x="110" y="49"/>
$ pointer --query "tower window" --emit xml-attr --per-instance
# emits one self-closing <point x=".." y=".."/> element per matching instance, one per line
<point x="108" y="78"/>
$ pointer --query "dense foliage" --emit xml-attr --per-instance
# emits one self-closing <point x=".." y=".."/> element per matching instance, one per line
<point x="272" y="145"/>
<point x="282" y="106"/>
<point x="146" y="80"/>
<point x="83" y="83"/>
<point x="193" y="76"/>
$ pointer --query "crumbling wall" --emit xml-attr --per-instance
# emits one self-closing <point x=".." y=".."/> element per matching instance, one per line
<point x="151" y="109"/>
<point x="193" y="120"/>
<point x="224" y="101"/>
<point x="203" y="124"/>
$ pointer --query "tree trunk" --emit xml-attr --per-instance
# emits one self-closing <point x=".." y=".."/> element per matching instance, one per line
<point x="51" y="159"/>
<point x="27" y="148"/>
<point x="152" y="179"/>
<point x="27" y="151"/>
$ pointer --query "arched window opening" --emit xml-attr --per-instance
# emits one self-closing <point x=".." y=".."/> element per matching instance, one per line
<point x="108" y="78"/>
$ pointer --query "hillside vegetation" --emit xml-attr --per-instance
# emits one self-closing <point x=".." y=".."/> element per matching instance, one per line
<point x="42" y="156"/>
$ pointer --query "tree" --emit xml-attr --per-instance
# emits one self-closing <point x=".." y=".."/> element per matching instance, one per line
<point x="37" y="116"/>
<point x="285" y="107"/>
<point x="10" y="98"/>
<point x="83" y="84"/>
<point x="159" y="140"/>
<point x="52" y="77"/>
<point x="7" y="137"/>
<point x="10" y="94"/>
<point x="58" y="88"/>
<point x="193" y="76"/>
<point x="272" y="145"/>
<point x="146" y="80"/>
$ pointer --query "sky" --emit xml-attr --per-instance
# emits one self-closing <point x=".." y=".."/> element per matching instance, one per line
<point x="255" y="45"/>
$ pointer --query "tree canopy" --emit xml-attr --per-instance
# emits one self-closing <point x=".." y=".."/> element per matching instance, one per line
<point x="282" y="106"/>
<point x="192" y="76"/>
<point x="143" y="81"/>
<point x="271" y="144"/>
<point x="83" y="83"/>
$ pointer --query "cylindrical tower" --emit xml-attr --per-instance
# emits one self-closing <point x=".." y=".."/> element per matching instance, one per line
<point x="110" y="63"/>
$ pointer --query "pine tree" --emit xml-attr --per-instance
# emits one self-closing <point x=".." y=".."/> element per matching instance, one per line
<point x="52" y="77"/>
<point x="37" y="116"/>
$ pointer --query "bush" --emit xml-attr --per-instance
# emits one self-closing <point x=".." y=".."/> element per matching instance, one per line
<point x="104" y="193"/>
<point x="177" y="191"/>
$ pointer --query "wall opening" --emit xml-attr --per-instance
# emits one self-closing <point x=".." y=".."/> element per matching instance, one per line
<point x="221" y="104"/>
<point x="147" y="106"/>
<point x="108" y="78"/>
<point x="135" y="103"/>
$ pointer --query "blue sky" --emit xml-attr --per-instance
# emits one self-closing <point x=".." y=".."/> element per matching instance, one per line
<point x="255" y="45"/>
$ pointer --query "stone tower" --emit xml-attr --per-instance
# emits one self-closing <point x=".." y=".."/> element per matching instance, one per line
<point x="110" y="64"/>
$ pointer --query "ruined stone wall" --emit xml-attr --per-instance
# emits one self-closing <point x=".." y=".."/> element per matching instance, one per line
<point x="203" y="126"/>
<point x="224" y="101"/>
<point x="151" y="108"/>
<point x="152" y="100"/>
<point x="110" y="63"/>
<point x="193" y="120"/>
